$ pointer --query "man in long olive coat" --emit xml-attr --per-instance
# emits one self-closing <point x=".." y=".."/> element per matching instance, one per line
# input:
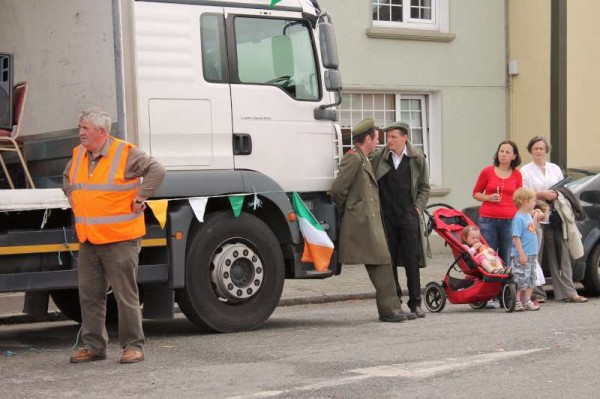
<point x="362" y="236"/>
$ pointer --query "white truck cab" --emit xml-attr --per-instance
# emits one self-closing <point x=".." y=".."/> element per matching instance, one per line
<point x="233" y="97"/>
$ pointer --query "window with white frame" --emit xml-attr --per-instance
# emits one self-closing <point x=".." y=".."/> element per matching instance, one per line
<point x="411" y="14"/>
<point x="386" y="108"/>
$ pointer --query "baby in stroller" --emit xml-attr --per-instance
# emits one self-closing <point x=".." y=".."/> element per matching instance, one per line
<point x="485" y="256"/>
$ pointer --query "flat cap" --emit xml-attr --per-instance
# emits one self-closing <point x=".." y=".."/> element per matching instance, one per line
<point x="398" y="125"/>
<point x="363" y="127"/>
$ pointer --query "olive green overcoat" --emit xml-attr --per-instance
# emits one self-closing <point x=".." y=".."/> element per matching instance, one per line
<point x="419" y="177"/>
<point x="356" y="196"/>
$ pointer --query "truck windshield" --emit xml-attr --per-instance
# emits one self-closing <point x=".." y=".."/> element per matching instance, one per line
<point x="277" y="52"/>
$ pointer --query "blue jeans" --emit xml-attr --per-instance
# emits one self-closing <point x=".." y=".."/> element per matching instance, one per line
<point x="498" y="234"/>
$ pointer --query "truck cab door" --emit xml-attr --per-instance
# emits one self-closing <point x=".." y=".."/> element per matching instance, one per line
<point x="183" y="96"/>
<point x="275" y="88"/>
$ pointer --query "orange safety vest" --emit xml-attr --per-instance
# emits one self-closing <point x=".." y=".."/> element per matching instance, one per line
<point x="102" y="201"/>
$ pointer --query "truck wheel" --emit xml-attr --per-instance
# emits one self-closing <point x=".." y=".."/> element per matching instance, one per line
<point x="67" y="301"/>
<point x="234" y="273"/>
<point x="591" y="281"/>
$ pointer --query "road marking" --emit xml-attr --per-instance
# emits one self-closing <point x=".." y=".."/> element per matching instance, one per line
<point x="413" y="371"/>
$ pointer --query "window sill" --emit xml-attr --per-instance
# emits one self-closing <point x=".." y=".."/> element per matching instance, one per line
<point x="439" y="191"/>
<point x="409" y="34"/>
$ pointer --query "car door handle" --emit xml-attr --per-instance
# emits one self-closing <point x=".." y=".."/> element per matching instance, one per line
<point x="242" y="144"/>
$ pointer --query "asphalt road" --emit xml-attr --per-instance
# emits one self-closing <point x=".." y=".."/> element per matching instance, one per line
<point x="333" y="350"/>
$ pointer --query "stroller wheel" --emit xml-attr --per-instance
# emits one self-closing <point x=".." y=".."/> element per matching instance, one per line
<point x="435" y="297"/>
<point x="509" y="297"/>
<point x="478" y="305"/>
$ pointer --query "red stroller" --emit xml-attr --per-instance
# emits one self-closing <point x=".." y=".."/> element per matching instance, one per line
<point x="465" y="281"/>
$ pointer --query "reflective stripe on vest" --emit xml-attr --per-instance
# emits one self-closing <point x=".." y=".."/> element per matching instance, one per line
<point x="102" y="200"/>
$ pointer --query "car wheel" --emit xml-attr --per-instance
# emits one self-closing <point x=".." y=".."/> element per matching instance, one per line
<point x="591" y="281"/>
<point x="234" y="273"/>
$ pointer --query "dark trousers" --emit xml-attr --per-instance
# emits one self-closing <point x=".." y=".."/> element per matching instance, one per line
<point x="405" y="248"/>
<point x="114" y="265"/>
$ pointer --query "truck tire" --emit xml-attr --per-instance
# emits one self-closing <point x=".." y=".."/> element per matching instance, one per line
<point x="591" y="281"/>
<point x="234" y="273"/>
<point x="67" y="301"/>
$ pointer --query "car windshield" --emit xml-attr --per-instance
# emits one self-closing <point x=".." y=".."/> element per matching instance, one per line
<point x="579" y="182"/>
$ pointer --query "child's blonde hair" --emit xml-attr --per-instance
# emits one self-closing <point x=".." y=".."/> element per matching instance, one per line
<point x="523" y="194"/>
<point x="466" y="230"/>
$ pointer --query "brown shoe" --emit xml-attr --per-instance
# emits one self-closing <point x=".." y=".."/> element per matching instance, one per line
<point x="84" y="355"/>
<point x="131" y="356"/>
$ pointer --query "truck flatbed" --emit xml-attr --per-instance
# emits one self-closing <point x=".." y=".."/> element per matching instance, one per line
<point x="27" y="199"/>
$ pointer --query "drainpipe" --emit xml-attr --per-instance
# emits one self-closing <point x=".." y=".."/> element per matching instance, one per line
<point x="558" y="83"/>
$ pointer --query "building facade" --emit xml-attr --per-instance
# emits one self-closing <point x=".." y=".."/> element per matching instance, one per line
<point x="439" y="65"/>
<point x="553" y="93"/>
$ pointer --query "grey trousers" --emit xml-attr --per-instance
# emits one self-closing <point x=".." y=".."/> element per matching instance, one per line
<point x="538" y="290"/>
<point x="114" y="265"/>
<point x="560" y="269"/>
<point x="385" y="289"/>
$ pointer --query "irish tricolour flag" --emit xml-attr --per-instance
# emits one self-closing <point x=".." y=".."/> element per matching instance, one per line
<point x="318" y="248"/>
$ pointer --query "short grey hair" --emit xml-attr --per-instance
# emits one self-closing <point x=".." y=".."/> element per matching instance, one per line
<point x="537" y="139"/>
<point x="97" y="117"/>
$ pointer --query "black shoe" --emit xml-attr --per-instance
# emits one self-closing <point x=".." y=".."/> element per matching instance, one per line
<point x="409" y="315"/>
<point x="418" y="311"/>
<point x="395" y="317"/>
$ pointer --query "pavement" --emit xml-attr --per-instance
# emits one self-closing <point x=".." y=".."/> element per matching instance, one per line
<point x="352" y="284"/>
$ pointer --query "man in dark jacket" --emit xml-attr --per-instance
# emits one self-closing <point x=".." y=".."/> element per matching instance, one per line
<point x="362" y="237"/>
<point x="402" y="174"/>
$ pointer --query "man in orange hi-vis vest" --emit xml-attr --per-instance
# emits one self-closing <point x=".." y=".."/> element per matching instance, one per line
<point x="107" y="181"/>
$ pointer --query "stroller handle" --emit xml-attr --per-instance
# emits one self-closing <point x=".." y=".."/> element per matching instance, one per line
<point x="436" y="205"/>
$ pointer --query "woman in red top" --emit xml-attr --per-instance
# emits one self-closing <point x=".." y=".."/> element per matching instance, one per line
<point x="494" y="188"/>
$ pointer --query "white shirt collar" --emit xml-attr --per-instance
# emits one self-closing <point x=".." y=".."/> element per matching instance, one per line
<point x="398" y="158"/>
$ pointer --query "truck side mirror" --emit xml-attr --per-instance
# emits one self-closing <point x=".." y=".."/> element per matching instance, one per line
<point x="333" y="80"/>
<point x="328" y="43"/>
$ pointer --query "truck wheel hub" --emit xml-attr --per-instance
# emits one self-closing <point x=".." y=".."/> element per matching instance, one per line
<point x="236" y="272"/>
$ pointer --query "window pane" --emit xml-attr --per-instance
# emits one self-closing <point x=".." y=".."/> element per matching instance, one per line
<point x="357" y="101"/>
<point x="345" y="119"/>
<point x="415" y="119"/>
<point x="368" y="101"/>
<point x="379" y="106"/>
<point x="405" y="116"/>
<point x="397" y="2"/>
<point x="379" y="101"/>
<point x="347" y="137"/>
<point x="277" y="52"/>
<point x="426" y="13"/>
<point x="346" y="101"/>
<point x="417" y="136"/>
<point x="420" y="9"/>
<point x="214" y="61"/>
<point x="397" y="13"/>
<point x="390" y="102"/>
<point x="404" y="104"/>
<point x="390" y="117"/>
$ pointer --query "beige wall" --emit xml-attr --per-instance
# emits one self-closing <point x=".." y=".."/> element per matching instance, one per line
<point x="583" y="86"/>
<point x="466" y="75"/>
<point x="529" y="44"/>
<point x="529" y="33"/>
